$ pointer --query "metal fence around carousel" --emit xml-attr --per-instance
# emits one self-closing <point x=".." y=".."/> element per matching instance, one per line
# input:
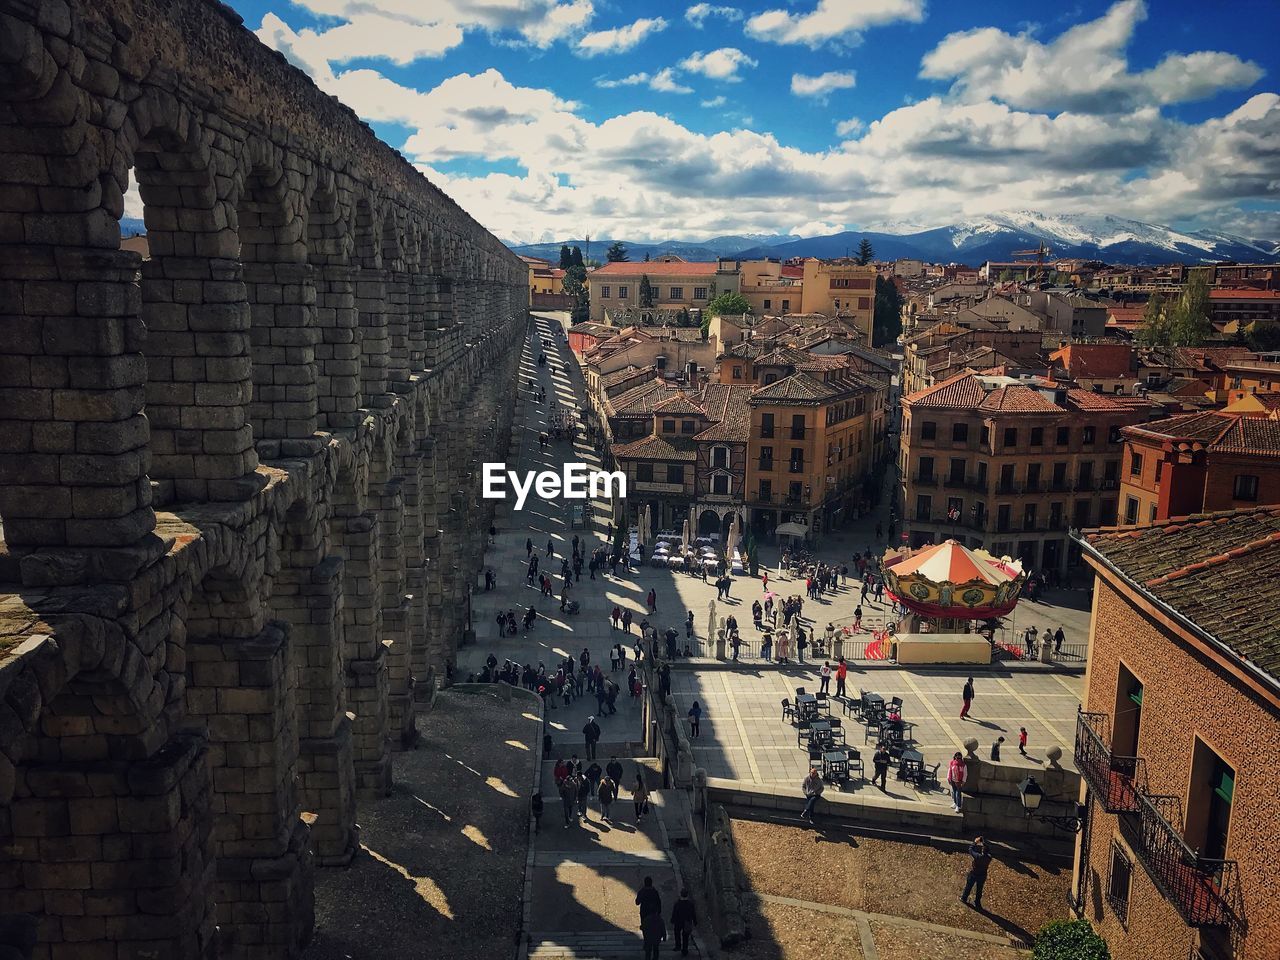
<point x="872" y="646"/>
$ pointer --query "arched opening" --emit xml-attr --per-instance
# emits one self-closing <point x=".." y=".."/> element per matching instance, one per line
<point x="281" y="297"/>
<point x="197" y="320"/>
<point x="241" y="688"/>
<point x="708" y="523"/>
<point x="108" y="834"/>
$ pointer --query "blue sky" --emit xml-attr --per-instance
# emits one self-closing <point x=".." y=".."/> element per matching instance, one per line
<point x="656" y="119"/>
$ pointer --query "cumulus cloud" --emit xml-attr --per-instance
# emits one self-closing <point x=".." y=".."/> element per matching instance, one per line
<point x="1085" y="69"/>
<point x="832" y="21"/>
<point x="719" y="101"/>
<point x="665" y="80"/>
<point x="620" y="39"/>
<point x="404" y="31"/>
<point x="699" y="12"/>
<point x="942" y="158"/>
<point x="722" y="64"/>
<point x="823" y="84"/>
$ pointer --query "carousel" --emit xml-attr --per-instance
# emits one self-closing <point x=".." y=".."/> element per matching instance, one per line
<point x="947" y="587"/>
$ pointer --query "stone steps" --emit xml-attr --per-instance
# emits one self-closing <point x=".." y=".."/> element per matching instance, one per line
<point x="676" y="812"/>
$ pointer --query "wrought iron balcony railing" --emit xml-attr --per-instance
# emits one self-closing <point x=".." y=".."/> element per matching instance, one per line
<point x="1115" y="781"/>
<point x="1203" y="890"/>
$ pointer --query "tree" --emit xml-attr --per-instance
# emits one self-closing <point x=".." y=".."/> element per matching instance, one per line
<point x="566" y="257"/>
<point x="1262" y="336"/>
<point x="576" y="258"/>
<point x="1069" y="940"/>
<point x="865" y="252"/>
<point x="728" y="304"/>
<point x="575" y="285"/>
<point x="646" y="256"/>
<point x="1006" y="275"/>
<point x="886" y="324"/>
<point x="684" y="320"/>
<point x="1154" y="331"/>
<point x="617" y="252"/>
<point x="646" y="291"/>
<point x="1189" y="324"/>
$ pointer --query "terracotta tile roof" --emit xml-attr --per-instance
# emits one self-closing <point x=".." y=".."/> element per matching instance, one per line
<point x="1218" y="570"/>
<point x="797" y="388"/>
<point x="626" y="373"/>
<point x="1088" y="400"/>
<point x="639" y="401"/>
<point x="680" y="404"/>
<point x="821" y="362"/>
<point x="1257" y="436"/>
<point x="657" y="448"/>
<point x="1017" y="399"/>
<point x="782" y="356"/>
<point x="1218" y="431"/>
<point x="594" y="329"/>
<point x="684" y="268"/>
<point x="1096" y="359"/>
<point x="1241" y="294"/>
<point x="962" y="391"/>
<point x="728" y="405"/>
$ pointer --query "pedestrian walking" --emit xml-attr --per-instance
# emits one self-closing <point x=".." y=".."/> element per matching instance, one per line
<point x="528" y="547"/>
<point x="551" y="550"/>
<point x="976" y="879"/>
<point x="652" y="600"/>
<point x="1022" y="740"/>
<point x="824" y="680"/>
<point x="684" y="916"/>
<point x="591" y="734"/>
<point x="995" y="749"/>
<point x="1058" y="637"/>
<point x="626" y="620"/>
<point x="812" y="788"/>
<point x="695" y="716"/>
<point x="967" y="696"/>
<point x="649" y="900"/>
<point x="607" y="792"/>
<point x="652" y="932"/>
<point x="584" y="794"/>
<point x="764" y="580"/>
<point x="956" y="773"/>
<point x="613" y="770"/>
<point x="640" y="797"/>
<point x="535" y="807"/>
<point x="569" y="799"/>
<point x="880" y="762"/>
<point x="842" y="672"/>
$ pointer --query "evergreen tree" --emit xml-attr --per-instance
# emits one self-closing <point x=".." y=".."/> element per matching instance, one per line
<point x="646" y="256"/>
<point x="566" y="257"/>
<point x="617" y="252"/>
<point x="576" y="258"/>
<point x="886" y="323"/>
<point x="865" y="252"/>
<point x="685" y="319"/>
<point x="575" y="285"/>
<point x="646" y="291"/>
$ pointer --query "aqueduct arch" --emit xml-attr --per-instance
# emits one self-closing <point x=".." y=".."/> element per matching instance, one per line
<point x="236" y="477"/>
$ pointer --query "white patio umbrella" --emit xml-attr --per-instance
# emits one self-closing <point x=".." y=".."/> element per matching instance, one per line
<point x="693" y="522"/>
<point x="732" y="542"/>
<point x="643" y="533"/>
<point x="711" y="620"/>
<point x="684" y="537"/>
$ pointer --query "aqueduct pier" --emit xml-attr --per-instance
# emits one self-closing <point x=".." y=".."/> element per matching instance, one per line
<point x="236" y="478"/>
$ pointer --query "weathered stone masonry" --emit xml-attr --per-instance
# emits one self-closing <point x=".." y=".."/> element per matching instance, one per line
<point x="237" y="480"/>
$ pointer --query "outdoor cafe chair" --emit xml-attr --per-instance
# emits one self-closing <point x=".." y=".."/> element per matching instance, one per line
<point x="872" y="730"/>
<point x="824" y="702"/>
<point x="855" y="762"/>
<point x="815" y="756"/>
<point x="895" y="706"/>
<point x="802" y="731"/>
<point x="788" y="711"/>
<point x="929" y="775"/>
<point x="799" y="691"/>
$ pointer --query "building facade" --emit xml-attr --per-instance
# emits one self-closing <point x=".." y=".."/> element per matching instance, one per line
<point x="1193" y="462"/>
<point x="1011" y="465"/>
<point x="674" y="284"/>
<point x="1178" y="740"/>
<point x="841" y="288"/>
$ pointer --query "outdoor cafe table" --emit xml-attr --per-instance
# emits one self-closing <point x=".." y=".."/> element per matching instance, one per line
<point x="835" y="765"/>
<point x="874" y="706"/>
<point x="807" y="706"/>
<point x="912" y="765"/>
<point x="820" y="731"/>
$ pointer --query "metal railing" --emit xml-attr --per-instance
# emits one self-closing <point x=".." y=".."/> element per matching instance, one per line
<point x="1115" y="781"/>
<point x="1201" y="889"/>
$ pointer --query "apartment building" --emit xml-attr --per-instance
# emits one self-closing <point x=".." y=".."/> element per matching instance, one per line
<point x="1011" y="464"/>
<point x="841" y="288"/>
<point x="1193" y="462"/>
<point x="811" y="448"/>
<point x="1178" y="739"/>
<point x="673" y="284"/>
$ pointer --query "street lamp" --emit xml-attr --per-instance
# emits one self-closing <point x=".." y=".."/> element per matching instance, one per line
<point x="1031" y="794"/>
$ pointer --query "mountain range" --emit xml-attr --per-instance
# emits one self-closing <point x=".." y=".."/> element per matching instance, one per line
<point x="990" y="237"/>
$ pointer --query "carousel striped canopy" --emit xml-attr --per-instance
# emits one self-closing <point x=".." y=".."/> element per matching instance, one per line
<point x="951" y="562"/>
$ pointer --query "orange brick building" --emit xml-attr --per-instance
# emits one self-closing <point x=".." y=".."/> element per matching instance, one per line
<point x="1215" y="460"/>
<point x="1178" y="743"/>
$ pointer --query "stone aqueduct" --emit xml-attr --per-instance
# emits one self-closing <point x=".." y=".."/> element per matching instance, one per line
<point x="240" y="529"/>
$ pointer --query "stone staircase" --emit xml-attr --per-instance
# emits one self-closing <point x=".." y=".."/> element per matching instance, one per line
<point x="596" y="946"/>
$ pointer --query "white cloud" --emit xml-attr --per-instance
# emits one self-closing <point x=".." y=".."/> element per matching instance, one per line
<point x="699" y="12"/>
<point x="665" y="81"/>
<point x="943" y="158"/>
<point x="719" y="101"/>
<point x="406" y="30"/>
<point x="1084" y="69"/>
<point x="823" y="84"/>
<point x="631" y="80"/>
<point x="816" y="228"/>
<point x="620" y="39"/>
<point x="838" y="21"/>
<point x="722" y="64"/>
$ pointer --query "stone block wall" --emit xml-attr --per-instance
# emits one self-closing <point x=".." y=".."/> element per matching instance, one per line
<point x="238" y="479"/>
